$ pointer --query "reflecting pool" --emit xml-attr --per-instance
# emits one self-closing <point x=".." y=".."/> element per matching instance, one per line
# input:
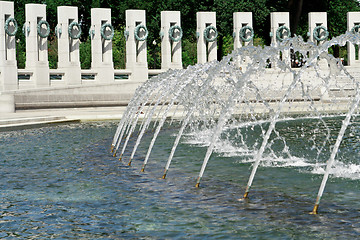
<point x="62" y="182"/>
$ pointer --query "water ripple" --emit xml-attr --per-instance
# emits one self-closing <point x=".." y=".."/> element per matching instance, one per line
<point x="60" y="182"/>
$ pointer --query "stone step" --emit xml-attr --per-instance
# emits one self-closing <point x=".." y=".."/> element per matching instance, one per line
<point x="28" y="119"/>
<point x="33" y="101"/>
<point x="25" y="122"/>
<point x="25" y="98"/>
<point x="65" y="104"/>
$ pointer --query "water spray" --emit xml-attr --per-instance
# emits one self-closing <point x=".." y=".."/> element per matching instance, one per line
<point x="225" y="88"/>
<point x="331" y="160"/>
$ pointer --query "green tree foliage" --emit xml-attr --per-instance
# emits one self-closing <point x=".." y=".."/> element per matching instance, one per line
<point x="189" y="51"/>
<point x="224" y="9"/>
<point x="118" y="44"/>
<point x="85" y="54"/>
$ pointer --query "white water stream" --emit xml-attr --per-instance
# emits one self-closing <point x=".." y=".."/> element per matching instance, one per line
<point x="215" y="96"/>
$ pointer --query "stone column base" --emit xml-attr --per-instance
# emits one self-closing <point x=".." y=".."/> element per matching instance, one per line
<point x="7" y="103"/>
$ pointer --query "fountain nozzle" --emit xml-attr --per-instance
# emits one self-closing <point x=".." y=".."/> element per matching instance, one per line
<point x="315" y="209"/>
<point x="198" y="182"/>
<point x="164" y="175"/>
<point x="246" y="195"/>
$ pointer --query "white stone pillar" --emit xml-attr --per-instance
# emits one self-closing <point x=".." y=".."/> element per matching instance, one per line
<point x="242" y="19"/>
<point x="36" y="46"/>
<point x="280" y="30"/>
<point x="317" y="19"/>
<point x="8" y="66"/>
<point x="136" y="49"/>
<point x="353" y="19"/>
<point x="279" y="19"/>
<point x="171" y="50"/>
<point x="101" y="45"/>
<point x="68" y="45"/>
<point x="206" y="51"/>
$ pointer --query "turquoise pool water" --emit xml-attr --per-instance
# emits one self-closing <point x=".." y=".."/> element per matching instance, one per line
<point x="61" y="182"/>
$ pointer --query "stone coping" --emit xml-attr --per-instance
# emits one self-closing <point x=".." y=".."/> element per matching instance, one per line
<point x="40" y="117"/>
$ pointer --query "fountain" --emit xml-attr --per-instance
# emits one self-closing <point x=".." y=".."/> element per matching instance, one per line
<point x="223" y="98"/>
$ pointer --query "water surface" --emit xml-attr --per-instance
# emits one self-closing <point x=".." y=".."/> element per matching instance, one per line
<point x="62" y="182"/>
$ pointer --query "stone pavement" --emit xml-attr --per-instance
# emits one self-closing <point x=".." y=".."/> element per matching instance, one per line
<point x="33" y="118"/>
